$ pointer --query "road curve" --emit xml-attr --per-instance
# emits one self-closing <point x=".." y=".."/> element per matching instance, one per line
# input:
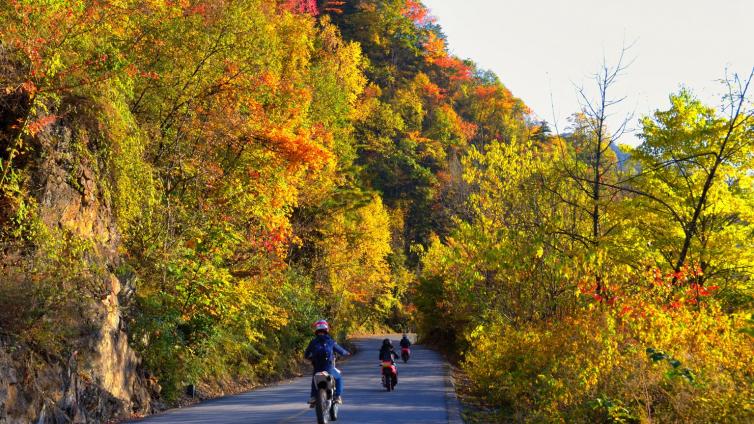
<point x="420" y="397"/>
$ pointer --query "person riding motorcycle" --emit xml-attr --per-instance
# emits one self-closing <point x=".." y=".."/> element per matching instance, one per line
<point x="320" y="353"/>
<point x="387" y="354"/>
<point x="405" y="342"/>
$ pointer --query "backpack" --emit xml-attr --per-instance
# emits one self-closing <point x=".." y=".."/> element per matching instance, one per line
<point x="321" y="354"/>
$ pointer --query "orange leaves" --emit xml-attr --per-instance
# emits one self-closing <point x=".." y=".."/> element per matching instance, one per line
<point x="29" y="87"/>
<point x="417" y="136"/>
<point x="468" y="129"/>
<point x="433" y="92"/>
<point x="333" y="7"/>
<point x="485" y="91"/>
<point x="38" y="125"/>
<point x="436" y="53"/>
<point x="303" y="147"/>
<point x="686" y="274"/>
<point x="231" y="68"/>
<point x="434" y="47"/>
<point x="696" y="291"/>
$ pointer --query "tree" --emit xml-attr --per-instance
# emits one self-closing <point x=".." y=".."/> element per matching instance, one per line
<point x="693" y="170"/>
<point x="592" y="166"/>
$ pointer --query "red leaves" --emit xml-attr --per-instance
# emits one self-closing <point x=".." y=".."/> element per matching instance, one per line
<point x="133" y="71"/>
<point x="301" y="6"/>
<point x="607" y="294"/>
<point x="270" y="241"/>
<point x="699" y="290"/>
<point x="436" y="53"/>
<point x="197" y="9"/>
<point x="418" y="14"/>
<point x="458" y="71"/>
<point x="683" y="287"/>
<point x="150" y="75"/>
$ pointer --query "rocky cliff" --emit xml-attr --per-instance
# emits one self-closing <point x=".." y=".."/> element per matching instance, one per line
<point x="88" y="372"/>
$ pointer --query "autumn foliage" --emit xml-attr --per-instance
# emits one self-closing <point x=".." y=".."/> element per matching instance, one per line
<point x="554" y="325"/>
<point x="267" y="163"/>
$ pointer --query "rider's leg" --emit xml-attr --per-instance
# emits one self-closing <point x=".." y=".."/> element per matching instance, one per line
<point x="338" y="381"/>
<point x="314" y="389"/>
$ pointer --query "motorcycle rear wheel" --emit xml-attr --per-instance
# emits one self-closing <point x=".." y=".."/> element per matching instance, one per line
<point x="323" y="414"/>
<point x="387" y="381"/>
<point x="334" y="412"/>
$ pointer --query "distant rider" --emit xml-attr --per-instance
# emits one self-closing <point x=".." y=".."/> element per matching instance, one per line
<point x="387" y="354"/>
<point x="320" y="353"/>
<point x="405" y="342"/>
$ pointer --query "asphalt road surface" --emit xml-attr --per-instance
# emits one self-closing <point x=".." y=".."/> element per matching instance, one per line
<point x="420" y="397"/>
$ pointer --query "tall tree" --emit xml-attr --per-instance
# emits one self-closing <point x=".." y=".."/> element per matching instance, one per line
<point x="693" y="172"/>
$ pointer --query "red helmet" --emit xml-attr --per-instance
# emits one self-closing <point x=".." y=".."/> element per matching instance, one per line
<point x="321" y="325"/>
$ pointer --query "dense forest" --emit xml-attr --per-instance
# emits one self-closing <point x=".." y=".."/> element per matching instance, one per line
<point x="192" y="183"/>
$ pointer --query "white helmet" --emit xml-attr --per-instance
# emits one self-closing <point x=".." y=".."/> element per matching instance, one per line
<point x="321" y="325"/>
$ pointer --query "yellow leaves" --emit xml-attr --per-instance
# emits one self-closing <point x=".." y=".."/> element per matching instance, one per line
<point x="355" y="247"/>
<point x="549" y="370"/>
<point x="417" y="137"/>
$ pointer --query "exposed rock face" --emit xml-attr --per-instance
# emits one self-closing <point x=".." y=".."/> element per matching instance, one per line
<point x="100" y="380"/>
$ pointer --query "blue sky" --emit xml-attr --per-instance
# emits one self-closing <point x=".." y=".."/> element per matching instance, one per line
<point x="542" y="49"/>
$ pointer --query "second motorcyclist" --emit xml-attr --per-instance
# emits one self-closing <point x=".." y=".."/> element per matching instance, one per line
<point x="405" y="342"/>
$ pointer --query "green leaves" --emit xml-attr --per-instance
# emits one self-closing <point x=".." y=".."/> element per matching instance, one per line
<point x="655" y="356"/>
<point x="614" y="411"/>
<point x="749" y="330"/>
<point x="676" y="369"/>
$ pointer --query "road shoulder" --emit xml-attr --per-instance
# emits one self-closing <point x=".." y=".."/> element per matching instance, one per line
<point x="451" y="398"/>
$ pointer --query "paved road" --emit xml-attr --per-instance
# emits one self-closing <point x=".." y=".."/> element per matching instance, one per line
<point x="420" y="396"/>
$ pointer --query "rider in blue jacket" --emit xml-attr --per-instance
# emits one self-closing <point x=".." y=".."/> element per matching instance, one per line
<point x="320" y="352"/>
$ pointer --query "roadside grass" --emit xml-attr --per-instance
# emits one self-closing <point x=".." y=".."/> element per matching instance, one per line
<point x="474" y="408"/>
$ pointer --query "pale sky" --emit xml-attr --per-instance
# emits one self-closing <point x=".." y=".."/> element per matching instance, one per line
<point x="541" y="48"/>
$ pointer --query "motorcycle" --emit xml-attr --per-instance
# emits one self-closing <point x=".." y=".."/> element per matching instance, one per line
<point x="405" y="354"/>
<point x="325" y="406"/>
<point x="389" y="375"/>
